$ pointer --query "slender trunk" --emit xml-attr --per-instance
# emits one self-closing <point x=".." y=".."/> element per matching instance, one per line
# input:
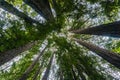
<point x="29" y="69"/>
<point x="111" y="29"/>
<point x="11" y="9"/>
<point x="61" y="75"/>
<point x="54" y="5"/>
<point x="74" y="74"/>
<point x="42" y="7"/>
<point x="111" y="57"/>
<point x="47" y="72"/>
<point x="38" y="71"/>
<point x="8" y="55"/>
<point x="81" y="74"/>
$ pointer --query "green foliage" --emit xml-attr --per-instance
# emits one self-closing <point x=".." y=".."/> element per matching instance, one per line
<point x="72" y="60"/>
<point x="73" y="55"/>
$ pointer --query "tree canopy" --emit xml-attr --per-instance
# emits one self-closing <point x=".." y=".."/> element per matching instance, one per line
<point x="59" y="40"/>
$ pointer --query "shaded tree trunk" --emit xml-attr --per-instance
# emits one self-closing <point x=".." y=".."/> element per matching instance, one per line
<point x="38" y="71"/>
<point x="80" y="73"/>
<point x="47" y="72"/>
<point x="11" y="9"/>
<point x="61" y="75"/>
<point x="111" y="29"/>
<point x="8" y="55"/>
<point x="29" y="69"/>
<point x="74" y="74"/>
<point x="42" y="7"/>
<point x="54" y="3"/>
<point x="111" y="57"/>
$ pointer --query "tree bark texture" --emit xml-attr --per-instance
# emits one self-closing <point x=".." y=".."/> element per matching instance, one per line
<point x="8" y="55"/>
<point x="110" y="29"/>
<point x="42" y="7"/>
<point x="11" y="9"/>
<point x="109" y="56"/>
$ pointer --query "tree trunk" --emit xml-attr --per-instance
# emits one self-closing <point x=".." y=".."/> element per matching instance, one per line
<point x="111" y="29"/>
<point x="74" y="74"/>
<point x="47" y="72"/>
<point x="61" y="75"/>
<point x="80" y="73"/>
<point x="42" y="7"/>
<point x="38" y="71"/>
<point x="111" y="57"/>
<point x="8" y="55"/>
<point x="8" y="7"/>
<point x="29" y="69"/>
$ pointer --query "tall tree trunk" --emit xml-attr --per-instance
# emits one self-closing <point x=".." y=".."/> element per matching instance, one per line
<point x="61" y="75"/>
<point x="111" y="57"/>
<point x="8" y="7"/>
<point x="54" y="5"/>
<point x="111" y="29"/>
<point x="47" y="72"/>
<point x="38" y="71"/>
<point x="80" y="73"/>
<point x="74" y="74"/>
<point x="29" y="69"/>
<point x="42" y="7"/>
<point x="8" y="55"/>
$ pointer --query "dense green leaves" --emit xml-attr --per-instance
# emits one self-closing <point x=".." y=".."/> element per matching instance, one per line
<point x="71" y="61"/>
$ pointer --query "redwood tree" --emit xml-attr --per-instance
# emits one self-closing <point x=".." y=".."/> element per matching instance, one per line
<point x="71" y="61"/>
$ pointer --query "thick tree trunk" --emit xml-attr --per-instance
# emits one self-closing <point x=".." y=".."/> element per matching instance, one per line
<point x="8" y="55"/>
<point x="42" y="7"/>
<point x="29" y="69"/>
<point x="47" y="72"/>
<point x="111" y="29"/>
<point x="111" y="57"/>
<point x="8" y="7"/>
